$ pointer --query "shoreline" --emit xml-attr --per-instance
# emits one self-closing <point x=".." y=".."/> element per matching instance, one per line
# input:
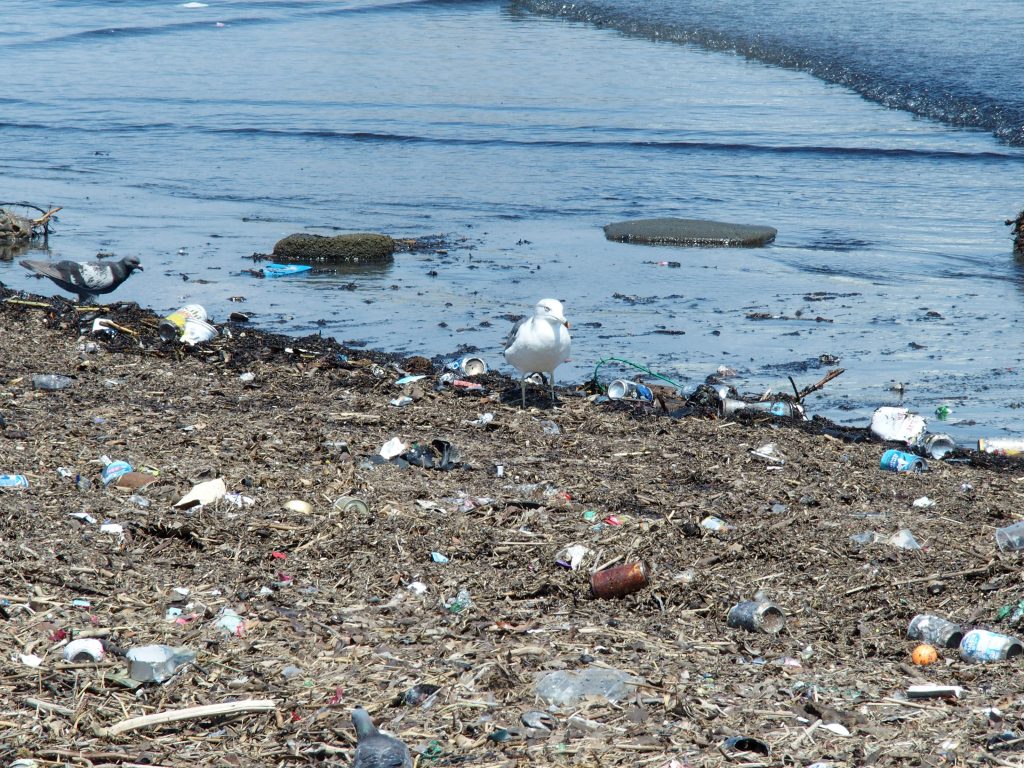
<point x="330" y="621"/>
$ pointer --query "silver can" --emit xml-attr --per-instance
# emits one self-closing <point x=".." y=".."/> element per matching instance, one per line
<point x="982" y="645"/>
<point x="774" y="407"/>
<point x="623" y="389"/>
<point x="935" y="630"/>
<point x="469" y="366"/>
<point x="935" y="446"/>
<point x="757" y="616"/>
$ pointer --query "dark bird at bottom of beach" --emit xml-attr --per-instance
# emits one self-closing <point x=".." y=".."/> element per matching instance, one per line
<point x="375" y="749"/>
<point x="88" y="279"/>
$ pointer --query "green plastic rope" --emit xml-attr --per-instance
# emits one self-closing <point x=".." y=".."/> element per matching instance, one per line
<point x="643" y="368"/>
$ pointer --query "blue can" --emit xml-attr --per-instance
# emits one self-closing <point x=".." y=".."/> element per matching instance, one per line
<point x="114" y="470"/>
<point x="13" y="481"/>
<point x="901" y="461"/>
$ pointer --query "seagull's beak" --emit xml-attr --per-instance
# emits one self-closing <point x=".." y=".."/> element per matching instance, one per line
<point x="564" y="322"/>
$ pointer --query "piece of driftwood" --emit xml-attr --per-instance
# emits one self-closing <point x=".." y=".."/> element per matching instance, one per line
<point x="190" y="713"/>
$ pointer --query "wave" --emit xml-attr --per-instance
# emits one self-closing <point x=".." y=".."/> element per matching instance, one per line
<point x="956" y="65"/>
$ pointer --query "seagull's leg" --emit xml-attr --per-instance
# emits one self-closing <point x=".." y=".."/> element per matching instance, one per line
<point x="552" y="387"/>
<point x="522" y="387"/>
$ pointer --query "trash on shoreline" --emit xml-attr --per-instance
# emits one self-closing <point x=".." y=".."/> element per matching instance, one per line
<point x="897" y="424"/>
<point x="981" y="645"/>
<point x="13" y="481"/>
<point x="1010" y="538"/>
<point x="935" y="630"/>
<point x="156" y="663"/>
<point x="623" y="389"/>
<point x="620" y="580"/>
<point x="567" y="687"/>
<point x="468" y="366"/>
<point x="757" y="616"/>
<point x="901" y="461"/>
<point x="203" y="494"/>
<point x="1001" y="446"/>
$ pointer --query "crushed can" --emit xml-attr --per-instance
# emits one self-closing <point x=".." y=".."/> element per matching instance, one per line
<point x="351" y="504"/>
<point x="935" y="630"/>
<point x="757" y="616"/>
<point x="982" y="645"/>
<point x="172" y="326"/>
<point x="1001" y="446"/>
<point x="622" y="389"/>
<point x="114" y="470"/>
<point x="901" y="461"/>
<point x="469" y="366"/>
<point x="620" y="580"/>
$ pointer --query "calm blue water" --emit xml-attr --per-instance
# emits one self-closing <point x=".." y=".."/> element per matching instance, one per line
<point x="882" y="140"/>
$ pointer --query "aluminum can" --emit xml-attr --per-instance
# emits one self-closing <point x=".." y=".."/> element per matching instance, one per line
<point x="901" y="461"/>
<point x="172" y="326"/>
<point x="351" y="504"/>
<point x="622" y="389"/>
<point x="1001" y="446"/>
<point x="757" y="616"/>
<point x="469" y="366"/>
<point x="114" y="470"/>
<point x="935" y="630"/>
<point x="13" y="481"/>
<point x="619" y="581"/>
<point x="935" y="446"/>
<point x="774" y="407"/>
<point x="982" y="645"/>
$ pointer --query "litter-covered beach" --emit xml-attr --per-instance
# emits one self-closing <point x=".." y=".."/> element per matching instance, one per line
<point x="295" y="546"/>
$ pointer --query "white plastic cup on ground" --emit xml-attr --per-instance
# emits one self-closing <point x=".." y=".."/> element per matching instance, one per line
<point x="1011" y="537"/>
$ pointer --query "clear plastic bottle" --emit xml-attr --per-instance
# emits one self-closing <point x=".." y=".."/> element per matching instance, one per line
<point x="51" y="381"/>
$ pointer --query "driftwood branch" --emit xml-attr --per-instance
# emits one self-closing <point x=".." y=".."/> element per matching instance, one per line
<point x="190" y="713"/>
<point x="815" y="387"/>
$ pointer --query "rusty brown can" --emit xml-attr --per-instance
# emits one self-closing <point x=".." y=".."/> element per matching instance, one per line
<point x="619" y="581"/>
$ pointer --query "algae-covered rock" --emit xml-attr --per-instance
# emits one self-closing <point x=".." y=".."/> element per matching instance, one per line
<point x="693" y="232"/>
<point x="349" y="248"/>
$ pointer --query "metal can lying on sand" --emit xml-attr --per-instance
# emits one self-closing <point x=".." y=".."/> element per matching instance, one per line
<point x="757" y="616"/>
<point x="774" y="407"/>
<point x="901" y="461"/>
<point x="619" y="581"/>
<point x="935" y="630"/>
<point x="172" y="326"/>
<point x="623" y="389"/>
<point x="935" y="445"/>
<point x="351" y="504"/>
<point x="469" y="366"/>
<point x="982" y="645"/>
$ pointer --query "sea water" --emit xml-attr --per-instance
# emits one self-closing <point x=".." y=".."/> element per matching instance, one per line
<point x="881" y="140"/>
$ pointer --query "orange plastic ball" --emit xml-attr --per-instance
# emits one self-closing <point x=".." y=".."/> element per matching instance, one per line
<point x="924" y="655"/>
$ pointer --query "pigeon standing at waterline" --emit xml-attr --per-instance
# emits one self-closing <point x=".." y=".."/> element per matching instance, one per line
<point x="540" y="343"/>
<point x="88" y="279"/>
<point x="373" y="748"/>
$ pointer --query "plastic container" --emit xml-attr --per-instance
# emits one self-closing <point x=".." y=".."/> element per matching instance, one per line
<point x="84" y="650"/>
<point x="901" y="461"/>
<point x="935" y="446"/>
<point x="1001" y="446"/>
<point x="51" y="381"/>
<point x="619" y="581"/>
<point x="13" y="481"/>
<point x="197" y="331"/>
<point x="567" y="687"/>
<point x="469" y="366"/>
<point x="623" y="389"/>
<point x="1011" y="537"/>
<point x="757" y="616"/>
<point x="935" y="630"/>
<point x="982" y="645"/>
<point x="156" y="663"/>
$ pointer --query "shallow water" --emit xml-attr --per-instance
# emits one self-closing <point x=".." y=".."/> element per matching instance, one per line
<point x="518" y="136"/>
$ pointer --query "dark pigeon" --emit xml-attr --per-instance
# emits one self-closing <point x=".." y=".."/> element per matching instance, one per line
<point x="373" y="748"/>
<point x="86" y="278"/>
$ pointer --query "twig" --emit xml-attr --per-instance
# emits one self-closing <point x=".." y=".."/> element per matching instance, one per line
<point x="49" y="706"/>
<point x="815" y="387"/>
<point x="190" y="713"/>
<point x="918" y="580"/>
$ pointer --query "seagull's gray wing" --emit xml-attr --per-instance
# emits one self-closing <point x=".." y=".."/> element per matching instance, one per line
<point x="511" y="338"/>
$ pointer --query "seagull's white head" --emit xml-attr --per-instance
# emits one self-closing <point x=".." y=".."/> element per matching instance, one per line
<point x="550" y="309"/>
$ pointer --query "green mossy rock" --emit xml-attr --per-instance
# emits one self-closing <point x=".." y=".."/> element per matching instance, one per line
<point x="339" y="249"/>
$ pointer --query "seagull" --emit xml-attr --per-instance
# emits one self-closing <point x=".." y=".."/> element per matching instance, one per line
<point x="86" y="278"/>
<point x="540" y="343"/>
<point x="373" y="748"/>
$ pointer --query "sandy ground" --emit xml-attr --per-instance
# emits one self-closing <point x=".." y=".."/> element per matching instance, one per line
<point x="346" y="607"/>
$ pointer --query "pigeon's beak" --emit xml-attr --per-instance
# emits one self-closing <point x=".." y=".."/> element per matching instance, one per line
<point x="140" y="268"/>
